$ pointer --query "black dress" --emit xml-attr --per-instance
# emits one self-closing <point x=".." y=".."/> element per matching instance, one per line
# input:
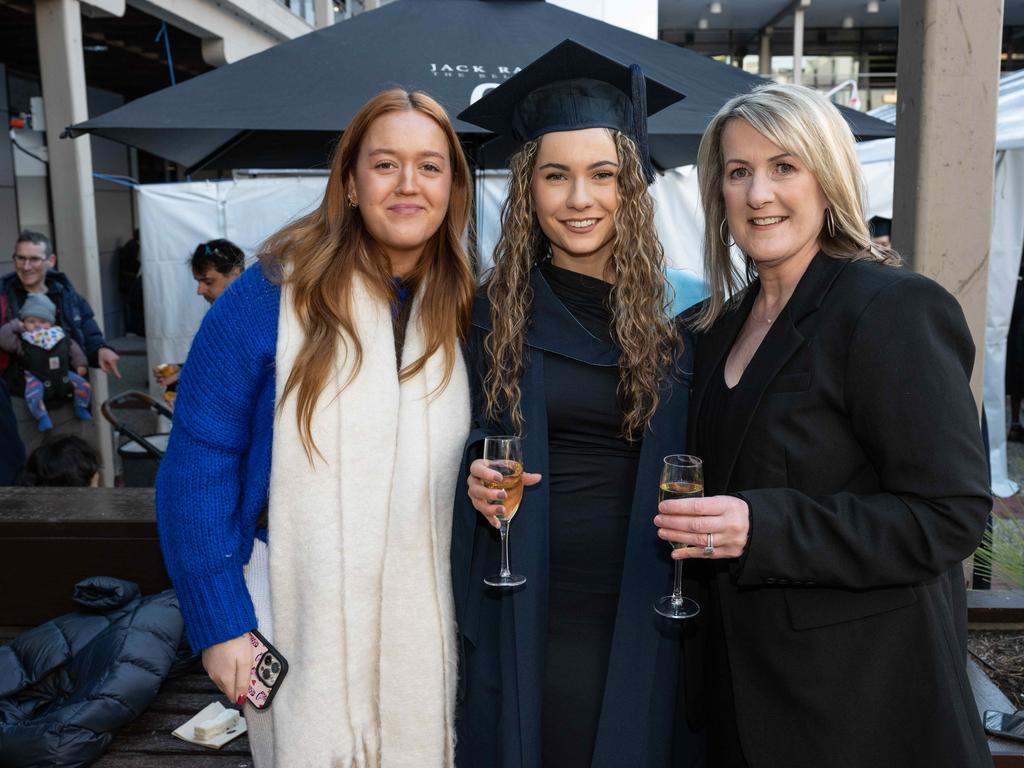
<point x="724" y="749"/>
<point x="592" y="474"/>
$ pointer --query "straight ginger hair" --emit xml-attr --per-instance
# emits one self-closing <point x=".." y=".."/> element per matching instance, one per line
<point x="641" y="326"/>
<point x="318" y="255"/>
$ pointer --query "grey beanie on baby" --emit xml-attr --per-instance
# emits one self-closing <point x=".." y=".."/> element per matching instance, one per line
<point x="38" y="305"/>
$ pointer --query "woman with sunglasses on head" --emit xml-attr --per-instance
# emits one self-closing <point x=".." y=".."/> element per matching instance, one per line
<point x="321" y="418"/>
<point x="845" y="477"/>
<point x="573" y="348"/>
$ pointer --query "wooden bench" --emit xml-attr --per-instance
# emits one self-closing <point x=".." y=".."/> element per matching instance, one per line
<point x="52" y="538"/>
<point x="147" y="742"/>
<point x="995" y="609"/>
<point x="1006" y="753"/>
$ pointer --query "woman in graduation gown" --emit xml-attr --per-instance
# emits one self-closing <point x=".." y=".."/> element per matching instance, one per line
<point x="573" y="349"/>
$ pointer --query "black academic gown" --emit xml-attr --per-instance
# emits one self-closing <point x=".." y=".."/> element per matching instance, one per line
<point x="503" y="632"/>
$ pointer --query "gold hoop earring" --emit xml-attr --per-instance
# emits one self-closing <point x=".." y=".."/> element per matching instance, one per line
<point x="830" y="223"/>
<point x="721" y="235"/>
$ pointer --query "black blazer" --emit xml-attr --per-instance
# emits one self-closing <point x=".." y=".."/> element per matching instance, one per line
<point x="854" y="438"/>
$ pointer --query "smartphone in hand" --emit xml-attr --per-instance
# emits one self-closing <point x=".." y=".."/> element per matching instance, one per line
<point x="268" y="670"/>
<point x="1005" y="725"/>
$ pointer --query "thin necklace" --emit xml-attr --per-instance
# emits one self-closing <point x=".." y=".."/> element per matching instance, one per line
<point x="765" y="320"/>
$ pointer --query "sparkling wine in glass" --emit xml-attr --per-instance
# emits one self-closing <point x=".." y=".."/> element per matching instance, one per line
<point x="504" y="453"/>
<point x="682" y="477"/>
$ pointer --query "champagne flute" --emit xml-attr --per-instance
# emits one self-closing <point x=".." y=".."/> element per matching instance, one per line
<point x="504" y="454"/>
<point x="682" y="477"/>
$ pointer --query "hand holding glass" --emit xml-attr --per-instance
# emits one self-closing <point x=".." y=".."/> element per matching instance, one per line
<point x="682" y="477"/>
<point x="504" y="454"/>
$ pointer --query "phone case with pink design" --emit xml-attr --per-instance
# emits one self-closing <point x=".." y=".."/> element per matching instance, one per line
<point x="268" y="670"/>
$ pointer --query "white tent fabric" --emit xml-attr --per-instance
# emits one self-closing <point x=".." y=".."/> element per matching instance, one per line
<point x="1003" y="268"/>
<point x="175" y="218"/>
<point x="878" y="162"/>
<point x="1010" y="118"/>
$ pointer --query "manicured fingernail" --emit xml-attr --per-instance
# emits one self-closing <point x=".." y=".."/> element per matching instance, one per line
<point x="658" y="520"/>
<point x="504" y="495"/>
<point x="241" y="700"/>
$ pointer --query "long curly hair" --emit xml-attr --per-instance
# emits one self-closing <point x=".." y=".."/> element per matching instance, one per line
<point x="807" y="125"/>
<point x="640" y="295"/>
<point x="318" y="254"/>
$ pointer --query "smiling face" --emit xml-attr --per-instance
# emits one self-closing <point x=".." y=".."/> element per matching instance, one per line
<point x="30" y="264"/>
<point x="402" y="183"/>
<point x="774" y="205"/>
<point x="576" y="193"/>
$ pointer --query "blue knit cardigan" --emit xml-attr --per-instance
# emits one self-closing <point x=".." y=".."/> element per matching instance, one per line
<point x="214" y="480"/>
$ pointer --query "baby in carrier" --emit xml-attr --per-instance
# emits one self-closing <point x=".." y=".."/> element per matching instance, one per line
<point x="54" y="365"/>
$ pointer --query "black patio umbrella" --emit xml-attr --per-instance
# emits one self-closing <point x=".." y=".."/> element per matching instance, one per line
<point x="284" y="107"/>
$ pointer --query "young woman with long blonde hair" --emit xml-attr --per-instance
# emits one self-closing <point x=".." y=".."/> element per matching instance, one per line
<point x="572" y="348"/>
<point x="325" y="399"/>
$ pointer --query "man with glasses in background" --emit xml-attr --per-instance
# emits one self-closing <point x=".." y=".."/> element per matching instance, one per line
<point x="34" y="261"/>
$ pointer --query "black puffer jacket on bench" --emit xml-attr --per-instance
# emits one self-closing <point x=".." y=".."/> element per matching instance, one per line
<point x="68" y="685"/>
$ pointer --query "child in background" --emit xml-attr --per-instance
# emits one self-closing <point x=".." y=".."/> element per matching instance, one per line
<point x="62" y="461"/>
<point x="53" y="364"/>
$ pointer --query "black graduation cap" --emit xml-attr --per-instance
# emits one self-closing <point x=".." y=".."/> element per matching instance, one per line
<point x="569" y="88"/>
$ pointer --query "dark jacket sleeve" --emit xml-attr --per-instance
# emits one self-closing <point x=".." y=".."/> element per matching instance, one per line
<point x="464" y="519"/>
<point x="909" y="404"/>
<point x="12" y="450"/>
<point x="77" y="356"/>
<point x="83" y="317"/>
<point x="476" y="370"/>
<point x="9" y="341"/>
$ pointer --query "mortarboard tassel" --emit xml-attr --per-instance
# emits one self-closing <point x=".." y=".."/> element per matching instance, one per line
<point x="639" y="98"/>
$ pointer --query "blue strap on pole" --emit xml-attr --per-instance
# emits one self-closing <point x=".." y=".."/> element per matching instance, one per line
<point x="167" y="47"/>
<point x="124" y="181"/>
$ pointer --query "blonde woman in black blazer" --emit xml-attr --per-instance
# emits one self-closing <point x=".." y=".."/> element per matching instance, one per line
<point x="845" y="474"/>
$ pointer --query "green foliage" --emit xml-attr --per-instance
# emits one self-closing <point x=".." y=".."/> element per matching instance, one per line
<point x="1001" y="554"/>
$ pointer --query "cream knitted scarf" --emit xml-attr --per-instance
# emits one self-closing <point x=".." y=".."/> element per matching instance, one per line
<point x="359" y="546"/>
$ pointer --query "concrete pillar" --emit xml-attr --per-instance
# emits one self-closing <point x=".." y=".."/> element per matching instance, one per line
<point x="798" y="45"/>
<point x="945" y="148"/>
<point x="764" y="61"/>
<point x="62" y="71"/>
<point x="323" y="13"/>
